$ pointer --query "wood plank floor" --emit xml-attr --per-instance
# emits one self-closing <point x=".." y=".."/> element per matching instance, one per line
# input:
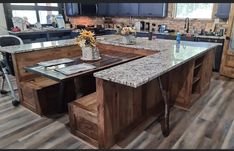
<point x="208" y="124"/>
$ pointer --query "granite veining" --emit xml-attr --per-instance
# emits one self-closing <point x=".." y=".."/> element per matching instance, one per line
<point x="140" y="71"/>
<point x="37" y="46"/>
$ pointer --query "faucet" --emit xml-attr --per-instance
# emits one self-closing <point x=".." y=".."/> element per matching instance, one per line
<point x="186" y="25"/>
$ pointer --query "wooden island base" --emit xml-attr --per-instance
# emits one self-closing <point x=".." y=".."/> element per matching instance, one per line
<point x="105" y="117"/>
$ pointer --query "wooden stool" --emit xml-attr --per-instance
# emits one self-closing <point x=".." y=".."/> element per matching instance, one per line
<point x="83" y="118"/>
<point x="40" y="95"/>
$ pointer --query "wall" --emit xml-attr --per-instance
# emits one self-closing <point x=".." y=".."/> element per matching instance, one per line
<point x="2" y="21"/>
<point x="172" y="23"/>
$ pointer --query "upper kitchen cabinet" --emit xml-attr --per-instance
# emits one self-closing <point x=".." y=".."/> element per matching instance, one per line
<point x="102" y="9"/>
<point x="89" y="9"/>
<point x="112" y="9"/>
<point x="153" y="9"/>
<point x="128" y="9"/>
<point x="72" y="9"/>
<point x="223" y="10"/>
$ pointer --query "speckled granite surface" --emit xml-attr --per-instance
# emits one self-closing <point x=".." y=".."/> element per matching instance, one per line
<point x="137" y="72"/>
<point x="37" y="46"/>
<point x="140" y="71"/>
<point x="141" y="43"/>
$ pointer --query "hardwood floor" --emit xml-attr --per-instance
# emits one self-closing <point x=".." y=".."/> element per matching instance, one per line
<point x="208" y="124"/>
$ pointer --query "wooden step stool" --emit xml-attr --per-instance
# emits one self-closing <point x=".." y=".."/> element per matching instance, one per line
<point x="40" y="95"/>
<point x="83" y="118"/>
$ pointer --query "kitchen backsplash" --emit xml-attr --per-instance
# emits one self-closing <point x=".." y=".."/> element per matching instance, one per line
<point x="176" y="24"/>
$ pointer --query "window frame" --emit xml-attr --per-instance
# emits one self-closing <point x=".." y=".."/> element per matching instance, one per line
<point x="8" y="11"/>
<point x="203" y="19"/>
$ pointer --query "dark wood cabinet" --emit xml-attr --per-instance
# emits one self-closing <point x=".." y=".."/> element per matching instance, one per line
<point x="117" y="9"/>
<point x="112" y="9"/>
<point x="89" y="9"/>
<point x="128" y="9"/>
<point x="72" y="9"/>
<point x="153" y="9"/>
<point x="102" y="9"/>
<point x="76" y="9"/>
<point x="223" y="10"/>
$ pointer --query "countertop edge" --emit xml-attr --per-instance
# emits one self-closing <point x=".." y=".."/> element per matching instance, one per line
<point x="141" y="83"/>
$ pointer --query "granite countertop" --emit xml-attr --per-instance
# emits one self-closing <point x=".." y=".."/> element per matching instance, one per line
<point x="137" y="72"/>
<point x="211" y="37"/>
<point x="37" y="46"/>
<point x="195" y="36"/>
<point x="117" y="41"/>
<point x="33" y="30"/>
<point x="140" y="71"/>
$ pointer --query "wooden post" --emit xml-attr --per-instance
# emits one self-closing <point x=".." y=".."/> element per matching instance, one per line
<point x="105" y="136"/>
<point x="227" y="62"/>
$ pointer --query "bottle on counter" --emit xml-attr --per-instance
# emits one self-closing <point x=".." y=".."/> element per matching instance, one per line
<point x="150" y="35"/>
<point x="178" y="38"/>
<point x="53" y="20"/>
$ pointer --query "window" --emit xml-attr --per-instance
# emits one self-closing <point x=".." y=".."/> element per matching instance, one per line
<point x="25" y="4"/>
<point x="48" y="4"/>
<point x="35" y="12"/>
<point x="194" y="10"/>
<point x="43" y="15"/>
<point x="30" y="14"/>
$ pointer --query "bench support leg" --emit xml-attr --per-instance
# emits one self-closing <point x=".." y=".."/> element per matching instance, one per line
<point x="61" y="97"/>
<point x="165" y="119"/>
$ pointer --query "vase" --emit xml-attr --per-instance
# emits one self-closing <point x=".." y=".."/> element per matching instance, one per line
<point x="90" y="53"/>
<point x="128" y="39"/>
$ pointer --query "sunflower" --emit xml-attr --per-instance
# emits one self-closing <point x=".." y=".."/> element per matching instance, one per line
<point x="86" y="34"/>
<point x="86" y="38"/>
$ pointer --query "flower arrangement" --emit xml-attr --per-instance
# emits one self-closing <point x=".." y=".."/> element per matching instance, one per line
<point x="128" y="35"/>
<point x="87" y="42"/>
<point x="86" y="38"/>
<point x="127" y="31"/>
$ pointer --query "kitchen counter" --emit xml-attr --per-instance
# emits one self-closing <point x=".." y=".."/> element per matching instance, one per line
<point x="210" y="37"/>
<point x="194" y="36"/>
<point x="116" y="40"/>
<point x="141" y="71"/>
<point x="126" y="94"/>
<point x="33" y="31"/>
<point x="129" y="93"/>
<point x="134" y="73"/>
<point x="137" y="72"/>
<point x="37" y="46"/>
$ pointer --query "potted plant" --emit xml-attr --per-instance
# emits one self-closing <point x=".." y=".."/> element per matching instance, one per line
<point x="128" y="34"/>
<point x="87" y="41"/>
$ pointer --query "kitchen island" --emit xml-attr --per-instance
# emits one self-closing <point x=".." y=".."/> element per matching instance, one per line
<point x="128" y="94"/>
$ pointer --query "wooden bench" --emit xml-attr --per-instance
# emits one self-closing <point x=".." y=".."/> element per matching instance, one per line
<point x="40" y="94"/>
<point x="83" y="118"/>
